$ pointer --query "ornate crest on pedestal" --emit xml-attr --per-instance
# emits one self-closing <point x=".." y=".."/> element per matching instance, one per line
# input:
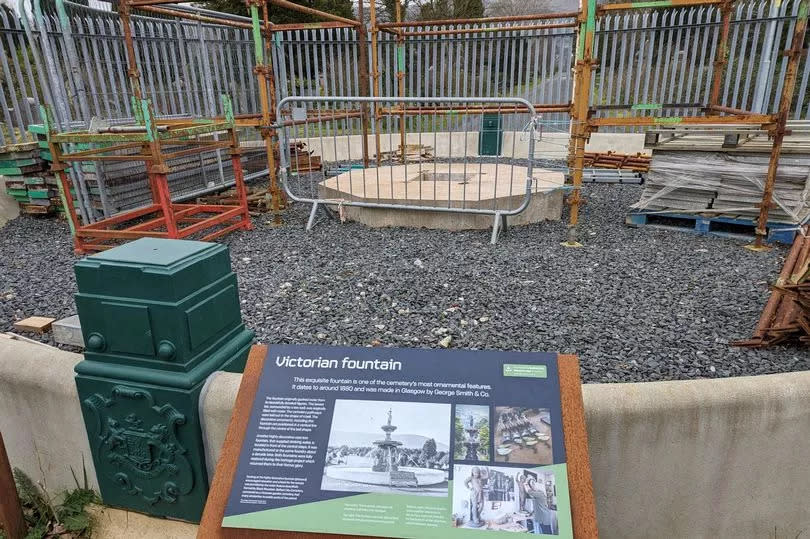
<point x="137" y="440"/>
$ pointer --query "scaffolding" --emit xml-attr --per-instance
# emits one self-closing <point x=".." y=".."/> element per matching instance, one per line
<point x="584" y="118"/>
<point x="714" y="114"/>
<point x="153" y="142"/>
<point x="583" y="123"/>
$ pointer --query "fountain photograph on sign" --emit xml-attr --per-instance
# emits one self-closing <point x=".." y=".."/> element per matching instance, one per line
<point x="388" y="446"/>
<point x="471" y="432"/>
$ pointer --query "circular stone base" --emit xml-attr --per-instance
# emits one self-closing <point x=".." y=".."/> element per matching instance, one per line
<point x="424" y="476"/>
<point x="485" y="186"/>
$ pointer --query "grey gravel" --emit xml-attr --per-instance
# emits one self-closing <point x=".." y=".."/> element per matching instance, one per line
<point x="634" y="304"/>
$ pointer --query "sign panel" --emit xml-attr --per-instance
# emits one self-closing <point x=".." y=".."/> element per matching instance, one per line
<point x="403" y="443"/>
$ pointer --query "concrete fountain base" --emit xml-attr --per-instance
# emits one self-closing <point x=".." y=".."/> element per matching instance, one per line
<point x="424" y="477"/>
<point x="485" y="186"/>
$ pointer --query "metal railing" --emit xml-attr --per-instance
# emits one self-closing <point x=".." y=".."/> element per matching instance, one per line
<point x="439" y="168"/>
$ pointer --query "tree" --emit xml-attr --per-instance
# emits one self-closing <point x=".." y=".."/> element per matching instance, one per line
<point x="458" y="435"/>
<point x="428" y="450"/>
<point x="279" y="15"/>
<point x="451" y="9"/>
<point x="508" y="8"/>
<point x="483" y="438"/>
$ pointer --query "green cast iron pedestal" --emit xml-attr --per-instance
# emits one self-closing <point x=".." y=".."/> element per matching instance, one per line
<point x="158" y="317"/>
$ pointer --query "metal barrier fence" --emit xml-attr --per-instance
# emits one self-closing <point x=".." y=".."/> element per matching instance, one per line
<point x="440" y="168"/>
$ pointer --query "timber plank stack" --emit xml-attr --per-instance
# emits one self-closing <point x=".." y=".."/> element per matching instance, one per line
<point x="786" y="316"/>
<point x="303" y="160"/>
<point x="26" y="177"/>
<point x="637" y="162"/>
<point x="725" y="185"/>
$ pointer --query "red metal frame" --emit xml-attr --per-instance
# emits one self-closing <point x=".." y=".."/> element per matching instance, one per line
<point x="162" y="218"/>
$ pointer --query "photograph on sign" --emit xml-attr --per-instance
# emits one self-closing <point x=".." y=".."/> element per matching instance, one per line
<point x="471" y="432"/>
<point x="505" y="499"/>
<point x="523" y="435"/>
<point x="385" y="446"/>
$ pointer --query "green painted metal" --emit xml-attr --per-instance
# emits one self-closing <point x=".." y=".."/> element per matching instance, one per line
<point x="652" y="4"/>
<point x="47" y="120"/>
<point x="590" y="20"/>
<point x="158" y="317"/>
<point x="136" y="110"/>
<point x="671" y="120"/>
<point x="148" y="120"/>
<point x="227" y="106"/>
<point x="401" y="57"/>
<point x="18" y="162"/>
<point x="490" y="138"/>
<point x="200" y="128"/>
<point x="647" y="106"/>
<point x="258" y="50"/>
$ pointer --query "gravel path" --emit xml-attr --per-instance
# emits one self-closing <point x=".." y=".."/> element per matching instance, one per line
<point x="634" y="304"/>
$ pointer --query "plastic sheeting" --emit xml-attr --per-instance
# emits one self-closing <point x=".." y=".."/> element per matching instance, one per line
<point x="719" y="184"/>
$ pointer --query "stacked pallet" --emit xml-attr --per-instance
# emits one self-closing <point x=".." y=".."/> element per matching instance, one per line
<point x="786" y="316"/>
<point x="720" y="185"/>
<point x="27" y="178"/>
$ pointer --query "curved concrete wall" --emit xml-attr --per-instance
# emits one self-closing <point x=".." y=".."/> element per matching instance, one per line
<point x="40" y="416"/>
<point x="703" y="458"/>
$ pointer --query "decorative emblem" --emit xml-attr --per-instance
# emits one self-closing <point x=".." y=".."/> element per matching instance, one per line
<point x="138" y="440"/>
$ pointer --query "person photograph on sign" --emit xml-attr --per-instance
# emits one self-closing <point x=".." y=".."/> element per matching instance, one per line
<point x="504" y="499"/>
<point x="471" y="432"/>
<point x="388" y="446"/>
<point x="523" y="435"/>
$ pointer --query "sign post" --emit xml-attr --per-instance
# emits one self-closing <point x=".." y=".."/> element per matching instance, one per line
<point x="12" y="523"/>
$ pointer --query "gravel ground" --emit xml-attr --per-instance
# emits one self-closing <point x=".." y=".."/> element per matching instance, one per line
<point x="634" y="304"/>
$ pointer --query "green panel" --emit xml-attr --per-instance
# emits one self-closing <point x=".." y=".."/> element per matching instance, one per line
<point x="212" y="315"/>
<point x="391" y="515"/>
<point x="129" y="328"/>
<point x="18" y="162"/>
<point x="490" y="138"/>
<point x="39" y="193"/>
<point x="147" y="446"/>
<point x="38" y="129"/>
<point x="647" y="106"/>
<point x="158" y="317"/>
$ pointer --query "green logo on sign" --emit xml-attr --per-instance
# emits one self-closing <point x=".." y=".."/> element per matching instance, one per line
<point x="524" y="371"/>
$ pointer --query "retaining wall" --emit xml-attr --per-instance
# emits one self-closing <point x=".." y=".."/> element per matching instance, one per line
<point x="702" y="458"/>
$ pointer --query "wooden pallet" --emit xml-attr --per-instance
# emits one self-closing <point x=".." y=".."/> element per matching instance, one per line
<point x="725" y="226"/>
